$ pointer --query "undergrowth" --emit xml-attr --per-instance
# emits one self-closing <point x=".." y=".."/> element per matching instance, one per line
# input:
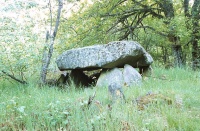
<point x="49" y="108"/>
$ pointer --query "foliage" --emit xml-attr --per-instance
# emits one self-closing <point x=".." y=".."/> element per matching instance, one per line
<point x="21" y="36"/>
<point x="144" y="21"/>
<point x="85" y="23"/>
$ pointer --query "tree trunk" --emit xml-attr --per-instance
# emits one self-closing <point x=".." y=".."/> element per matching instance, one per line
<point x="178" y="58"/>
<point x="195" y="55"/>
<point x="176" y="50"/>
<point x="195" y="47"/>
<point x="195" y="35"/>
<point x="168" y="9"/>
<point x="49" y="50"/>
<point x="178" y="54"/>
<point x="165" y="55"/>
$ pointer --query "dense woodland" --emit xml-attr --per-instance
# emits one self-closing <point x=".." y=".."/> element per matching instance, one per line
<point x="167" y="29"/>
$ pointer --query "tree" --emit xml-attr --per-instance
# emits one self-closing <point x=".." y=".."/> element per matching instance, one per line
<point x="162" y="22"/>
<point x="195" y="34"/>
<point x="20" y="38"/>
<point x="49" y="50"/>
<point x="133" y="18"/>
<point x="193" y="16"/>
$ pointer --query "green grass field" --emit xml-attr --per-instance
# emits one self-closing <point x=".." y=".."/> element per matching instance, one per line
<point x="47" y="108"/>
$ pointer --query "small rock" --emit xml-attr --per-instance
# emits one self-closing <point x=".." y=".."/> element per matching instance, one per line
<point x="116" y="91"/>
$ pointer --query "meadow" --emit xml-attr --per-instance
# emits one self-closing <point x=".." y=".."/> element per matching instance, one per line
<point x="175" y="107"/>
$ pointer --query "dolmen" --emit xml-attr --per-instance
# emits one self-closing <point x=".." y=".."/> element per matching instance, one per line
<point x="114" y="62"/>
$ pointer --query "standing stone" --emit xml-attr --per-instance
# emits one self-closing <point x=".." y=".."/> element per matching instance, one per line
<point x="108" y="77"/>
<point x="125" y="76"/>
<point x="131" y="76"/>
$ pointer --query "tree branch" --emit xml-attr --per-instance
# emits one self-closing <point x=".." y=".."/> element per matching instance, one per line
<point x="58" y="18"/>
<point x="186" y="8"/>
<point x="14" y="78"/>
<point x="91" y="98"/>
<point x="153" y="29"/>
<point x="139" y="13"/>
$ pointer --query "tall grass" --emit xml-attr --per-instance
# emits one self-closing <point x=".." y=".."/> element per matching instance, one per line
<point x="49" y="108"/>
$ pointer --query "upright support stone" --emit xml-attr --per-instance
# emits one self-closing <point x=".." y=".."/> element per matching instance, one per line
<point x="108" y="77"/>
<point x="127" y="76"/>
<point x="131" y="76"/>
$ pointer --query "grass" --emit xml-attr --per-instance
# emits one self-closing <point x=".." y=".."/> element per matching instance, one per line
<point x="33" y="108"/>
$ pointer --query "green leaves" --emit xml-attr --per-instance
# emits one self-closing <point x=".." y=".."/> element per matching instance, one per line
<point x="22" y="35"/>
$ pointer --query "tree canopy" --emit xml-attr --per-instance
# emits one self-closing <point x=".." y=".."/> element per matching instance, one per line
<point x="167" y="29"/>
<point x="164" y="27"/>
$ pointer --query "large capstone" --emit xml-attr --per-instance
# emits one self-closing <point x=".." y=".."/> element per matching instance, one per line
<point x="111" y="55"/>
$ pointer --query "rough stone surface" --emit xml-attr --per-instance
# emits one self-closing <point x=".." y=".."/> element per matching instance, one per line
<point x="111" y="55"/>
<point x="116" y="91"/>
<point x="126" y="76"/>
<point x="131" y="76"/>
<point x="109" y="77"/>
